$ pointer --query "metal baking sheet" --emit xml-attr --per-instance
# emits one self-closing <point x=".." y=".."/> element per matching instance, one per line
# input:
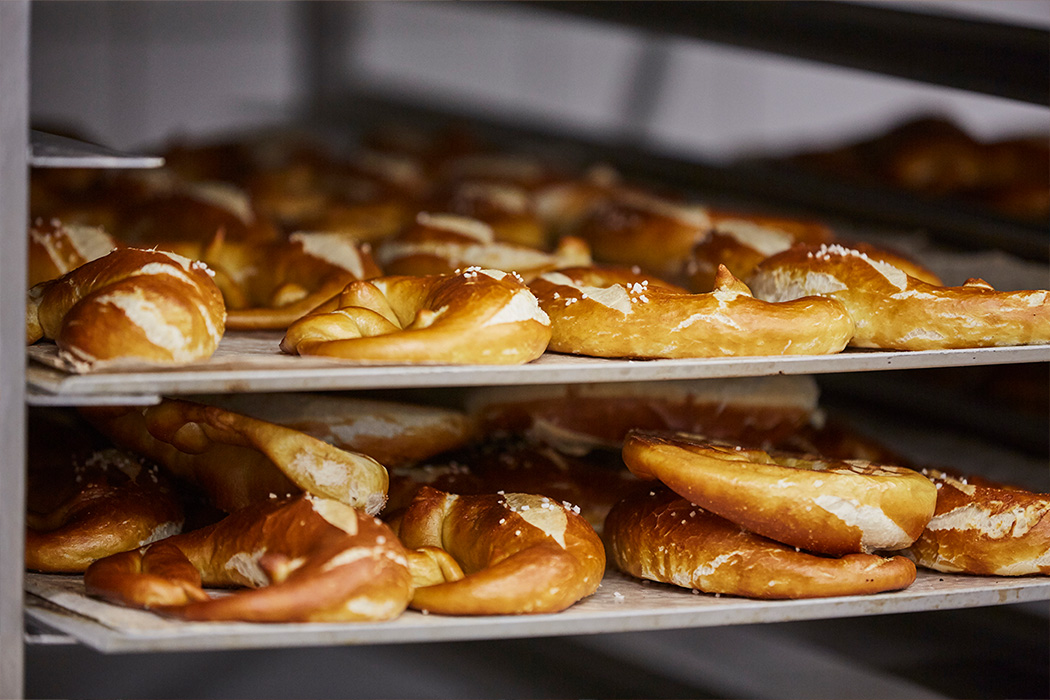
<point x="622" y="604"/>
<point x="252" y="362"/>
<point x="52" y="151"/>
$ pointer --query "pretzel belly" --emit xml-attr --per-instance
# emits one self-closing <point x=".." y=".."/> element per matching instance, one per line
<point x="518" y="553"/>
<point x="832" y="507"/>
<point x="641" y="321"/>
<point x="659" y="536"/>
<point x="305" y="559"/>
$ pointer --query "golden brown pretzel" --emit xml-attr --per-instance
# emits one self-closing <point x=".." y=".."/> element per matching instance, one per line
<point x="506" y="207"/>
<point x="55" y="248"/>
<point x="270" y="285"/>
<point x="981" y="527"/>
<point x="576" y="418"/>
<point x="827" y="506"/>
<point x="894" y="310"/>
<point x="307" y="559"/>
<point x="132" y="304"/>
<point x="657" y="535"/>
<point x="741" y="241"/>
<point x="239" y="460"/>
<point x="512" y="553"/>
<point x="646" y="321"/>
<point x="443" y="243"/>
<point x="473" y="317"/>
<point x="86" y="499"/>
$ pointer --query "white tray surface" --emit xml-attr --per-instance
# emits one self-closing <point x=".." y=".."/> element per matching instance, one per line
<point x="622" y="604"/>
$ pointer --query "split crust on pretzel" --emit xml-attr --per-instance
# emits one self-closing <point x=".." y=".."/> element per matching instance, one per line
<point x="826" y="506"/>
<point x="498" y="554"/>
<point x="894" y="310"/>
<point x="982" y="527"/>
<point x="647" y="321"/>
<point x="659" y="536"/>
<point x="141" y="305"/>
<point x="472" y="317"/>
<point x="306" y="559"/>
<point x="55" y="248"/>
<point x="239" y="460"/>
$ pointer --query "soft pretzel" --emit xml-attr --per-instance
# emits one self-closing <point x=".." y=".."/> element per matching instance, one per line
<point x="647" y="321"/>
<point x="239" y="460"/>
<point x="636" y="228"/>
<point x="506" y="207"/>
<point x="86" y="500"/>
<point x="657" y="535"/>
<point x="741" y="241"/>
<point x="306" y="559"/>
<point x="131" y="304"/>
<point x="472" y="317"/>
<point x="894" y="310"/>
<point x="592" y="483"/>
<point x="443" y="243"/>
<point x="827" y="506"/>
<point x="577" y="418"/>
<point x="981" y="527"/>
<point x="55" y="248"/>
<point x="270" y="285"/>
<point x="510" y="553"/>
<point x="393" y="433"/>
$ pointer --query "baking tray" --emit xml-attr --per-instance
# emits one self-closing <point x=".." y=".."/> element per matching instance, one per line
<point x="622" y="604"/>
<point x="252" y="362"/>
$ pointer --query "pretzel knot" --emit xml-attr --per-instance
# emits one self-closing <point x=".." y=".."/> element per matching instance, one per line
<point x="472" y="317"/>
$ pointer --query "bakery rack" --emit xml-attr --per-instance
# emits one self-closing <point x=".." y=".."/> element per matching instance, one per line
<point x="249" y="363"/>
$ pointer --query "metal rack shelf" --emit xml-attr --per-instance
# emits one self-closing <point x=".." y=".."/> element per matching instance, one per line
<point x="52" y="151"/>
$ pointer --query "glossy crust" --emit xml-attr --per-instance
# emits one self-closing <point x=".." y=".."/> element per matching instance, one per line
<point x="499" y="554"/>
<point x="306" y="559"/>
<point x="657" y="535"/>
<point x="981" y="527"/>
<point x="643" y="321"/>
<point x="826" y="506"/>
<point x="239" y="460"/>
<point x="135" y="305"/>
<point x="473" y="317"/>
<point x="896" y="311"/>
<point x="270" y="285"/>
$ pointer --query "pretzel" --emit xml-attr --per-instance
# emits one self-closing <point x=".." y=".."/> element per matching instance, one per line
<point x="577" y="418"/>
<point x="86" y="500"/>
<point x="473" y="317"/>
<point x="443" y="243"/>
<point x="55" y="248"/>
<point x="637" y="228"/>
<point x="499" y="554"/>
<point x="143" y="305"/>
<point x="270" y="285"/>
<point x="592" y="483"/>
<point x="306" y="559"/>
<point x="826" y="506"/>
<point x="741" y="241"/>
<point x="660" y="536"/>
<point x="647" y="321"/>
<point x="982" y="527"/>
<point x="239" y="460"/>
<point x="394" y="433"/>
<point x="507" y="208"/>
<point x="894" y="310"/>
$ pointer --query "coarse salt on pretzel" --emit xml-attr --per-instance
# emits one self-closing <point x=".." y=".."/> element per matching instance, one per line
<point x="305" y="559"/>
<point x="659" y="536"/>
<point x="894" y="310"/>
<point x="472" y="317"/>
<point x="499" y="554"/>
<point x="827" y="506"/>
<point x="134" y="305"/>
<point x="237" y="460"/>
<point x="981" y="527"/>
<point x="642" y="320"/>
<point x="445" y="243"/>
